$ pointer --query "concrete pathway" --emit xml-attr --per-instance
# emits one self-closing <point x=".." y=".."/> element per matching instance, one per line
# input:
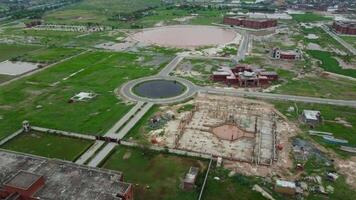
<point x="100" y="157"/>
<point x="90" y="152"/>
<point x="239" y="93"/>
<point x="125" y="118"/>
<point x="340" y="40"/>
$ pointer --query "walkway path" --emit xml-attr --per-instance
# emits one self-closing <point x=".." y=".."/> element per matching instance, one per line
<point x="126" y="123"/>
<point x="239" y="93"/>
<point x="340" y="40"/>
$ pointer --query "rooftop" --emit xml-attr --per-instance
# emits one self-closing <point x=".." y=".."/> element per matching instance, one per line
<point x="311" y="114"/>
<point x="23" y="180"/>
<point x="288" y="184"/>
<point x="63" y="179"/>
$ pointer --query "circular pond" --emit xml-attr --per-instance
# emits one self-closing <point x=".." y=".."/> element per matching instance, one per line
<point x="186" y="36"/>
<point x="157" y="89"/>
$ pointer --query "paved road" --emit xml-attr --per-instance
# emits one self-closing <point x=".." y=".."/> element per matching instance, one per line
<point x="131" y="123"/>
<point x="243" y="48"/>
<point x="170" y="66"/>
<point x="124" y="119"/>
<point x="102" y="155"/>
<point x="234" y="92"/>
<point x="340" y="40"/>
<point x="90" y="152"/>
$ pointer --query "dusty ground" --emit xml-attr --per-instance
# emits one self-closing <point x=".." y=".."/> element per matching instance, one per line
<point x="193" y="131"/>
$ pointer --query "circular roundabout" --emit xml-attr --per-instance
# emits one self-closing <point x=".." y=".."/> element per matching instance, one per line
<point x="155" y="89"/>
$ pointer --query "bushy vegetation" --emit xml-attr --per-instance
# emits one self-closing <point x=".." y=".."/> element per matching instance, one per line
<point x="330" y="64"/>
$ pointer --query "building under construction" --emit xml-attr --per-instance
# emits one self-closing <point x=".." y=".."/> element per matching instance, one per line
<point x="232" y="128"/>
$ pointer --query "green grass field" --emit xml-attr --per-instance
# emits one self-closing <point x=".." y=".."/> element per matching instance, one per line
<point x="318" y="86"/>
<point x="49" y="55"/>
<point x="48" y="145"/>
<point x="349" y="39"/>
<point x="99" y="72"/>
<point x="10" y="51"/>
<point x="330" y="64"/>
<point x="324" y="40"/>
<point x="236" y="187"/>
<point x="309" y="17"/>
<point x="96" y="11"/>
<point x="329" y="114"/>
<point x="161" y="172"/>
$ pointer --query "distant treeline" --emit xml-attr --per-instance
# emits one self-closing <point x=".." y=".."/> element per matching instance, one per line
<point x="17" y="10"/>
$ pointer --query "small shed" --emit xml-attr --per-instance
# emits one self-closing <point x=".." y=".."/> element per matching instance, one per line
<point x="285" y="187"/>
<point x="311" y="117"/>
<point x="190" y="178"/>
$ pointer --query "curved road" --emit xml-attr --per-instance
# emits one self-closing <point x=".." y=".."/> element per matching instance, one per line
<point x="126" y="90"/>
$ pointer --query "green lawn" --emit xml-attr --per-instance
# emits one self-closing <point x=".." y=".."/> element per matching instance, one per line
<point x="309" y="17"/>
<point x="350" y="39"/>
<point x="334" y="88"/>
<point x="48" y="145"/>
<point x="330" y="64"/>
<point x="43" y="98"/>
<point x="10" y="51"/>
<point x="49" y="55"/>
<point x="161" y="172"/>
<point x="96" y="11"/>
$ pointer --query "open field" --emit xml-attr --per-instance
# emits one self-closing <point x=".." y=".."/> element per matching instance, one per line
<point x="95" y="11"/>
<point x="58" y="38"/>
<point x="333" y="117"/>
<point x="43" y="98"/>
<point x="157" y="175"/>
<point x="48" y="145"/>
<point x="237" y="187"/>
<point x="349" y="39"/>
<point x="318" y="86"/>
<point x="48" y="55"/>
<point x="309" y="17"/>
<point x="330" y="64"/>
<point x="11" y="51"/>
<point x="199" y="70"/>
<point x="324" y="40"/>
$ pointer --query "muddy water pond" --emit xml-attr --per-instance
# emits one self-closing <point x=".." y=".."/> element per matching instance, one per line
<point x="185" y="36"/>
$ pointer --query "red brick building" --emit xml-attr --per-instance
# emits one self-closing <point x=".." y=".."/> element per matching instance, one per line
<point x="244" y="76"/>
<point x="250" y="22"/>
<point x="22" y="186"/>
<point x="286" y="55"/>
<point x="35" y="178"/>
<point x="348" y="28"/>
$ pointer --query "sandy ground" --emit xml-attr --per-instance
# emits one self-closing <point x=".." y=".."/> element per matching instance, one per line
<point x="185" y="36"/>
<point x="254" y="147"/>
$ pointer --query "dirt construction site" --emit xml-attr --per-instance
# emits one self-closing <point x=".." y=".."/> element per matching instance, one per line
<point x="240" y="131"/>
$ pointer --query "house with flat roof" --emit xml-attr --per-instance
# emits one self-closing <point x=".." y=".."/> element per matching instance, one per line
<point x="31" y="177"/>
